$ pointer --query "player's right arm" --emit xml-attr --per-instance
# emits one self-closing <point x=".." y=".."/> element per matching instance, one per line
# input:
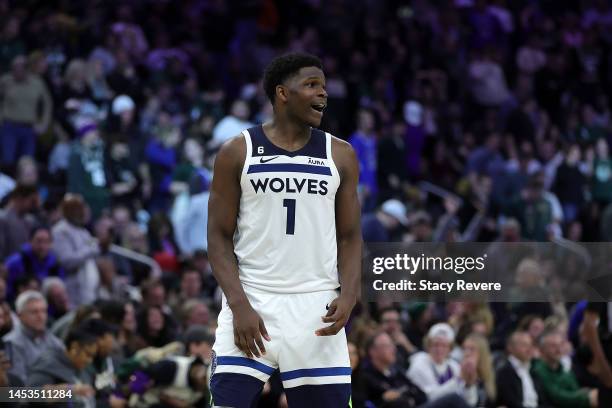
<point x="223" y="206"/>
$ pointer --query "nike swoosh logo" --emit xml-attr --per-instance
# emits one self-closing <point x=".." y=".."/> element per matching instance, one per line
<point x="261" y="160"/>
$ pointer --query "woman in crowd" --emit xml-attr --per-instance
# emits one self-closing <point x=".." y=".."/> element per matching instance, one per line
<point x="476" y="350"/>
<point x="153" y="328"/>
<point x="434" y="372"/>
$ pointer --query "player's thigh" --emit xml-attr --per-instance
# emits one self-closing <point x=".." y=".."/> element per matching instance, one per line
<point x="231" y="369"/>
<point x="309" y="360"/>
<point x="235" y="390"/>
<point x="319" y="396"/>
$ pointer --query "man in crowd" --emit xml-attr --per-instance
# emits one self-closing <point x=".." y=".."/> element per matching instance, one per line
<point x="517" y="388"/>
<point x="30" y="338"/>
<point x="14" y="224"/>
<point x="66" y="367"/>
<point x="58" y="302"/>
<point x="25" y="111"/>
<point x="560" y="386"/>
<point x="33" y="259"/>
<point x="385" y="384"/>
<point x="391" y="324"/>
<point x="382" y="225"/>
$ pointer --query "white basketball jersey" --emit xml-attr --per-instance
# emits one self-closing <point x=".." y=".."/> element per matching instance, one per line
<point x="285" y="239"/>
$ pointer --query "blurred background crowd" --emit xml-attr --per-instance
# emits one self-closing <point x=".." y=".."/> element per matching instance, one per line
<point x="473" y="120"/>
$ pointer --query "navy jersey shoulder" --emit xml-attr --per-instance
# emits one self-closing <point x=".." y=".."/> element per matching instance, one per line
<point x="316" y="146"/>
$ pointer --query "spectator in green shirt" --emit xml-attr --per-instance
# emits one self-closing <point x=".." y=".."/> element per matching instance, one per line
<point x="560" y="386"/>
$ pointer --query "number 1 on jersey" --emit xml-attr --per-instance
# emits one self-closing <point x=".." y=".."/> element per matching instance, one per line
<point x="289" y="203"/>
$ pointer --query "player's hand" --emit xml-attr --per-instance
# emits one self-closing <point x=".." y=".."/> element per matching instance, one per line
<point x="338" y="314"/>
<point x="249" y="328"/>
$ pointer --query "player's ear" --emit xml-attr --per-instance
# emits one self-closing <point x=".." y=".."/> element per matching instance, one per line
<point x="282" y="92"/>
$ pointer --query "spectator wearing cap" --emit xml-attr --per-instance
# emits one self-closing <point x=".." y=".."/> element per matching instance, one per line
<point x="382" y="225"/>
<point x="86" y="169"/>
<point x="25" y="111"/>
<point x="436" y="373"/>
<point x="122" y="129"/>
<point x="35" y="258"/>
<point x="30" y="338"/>
<point x="15" y="224"/>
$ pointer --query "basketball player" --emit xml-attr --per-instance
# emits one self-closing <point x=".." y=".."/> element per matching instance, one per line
<point x="285" y="246"/>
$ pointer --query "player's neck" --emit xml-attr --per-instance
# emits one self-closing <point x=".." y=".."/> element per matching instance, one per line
<point x="287" y="133"/>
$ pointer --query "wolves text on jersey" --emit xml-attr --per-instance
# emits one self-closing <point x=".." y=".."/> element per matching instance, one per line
<point x="290" y="185"/>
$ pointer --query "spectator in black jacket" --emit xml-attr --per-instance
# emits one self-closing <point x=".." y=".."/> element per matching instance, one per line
<point x="516" y="387"/>
<point x="386" y="386"/>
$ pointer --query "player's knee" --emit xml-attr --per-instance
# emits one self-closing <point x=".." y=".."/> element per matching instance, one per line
<point x="321" y="396"/>
<point x="235" y="390"/>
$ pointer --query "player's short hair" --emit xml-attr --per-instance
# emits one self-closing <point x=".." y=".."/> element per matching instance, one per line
<point x="26" y="297"/>
<point x="284" y="67"/>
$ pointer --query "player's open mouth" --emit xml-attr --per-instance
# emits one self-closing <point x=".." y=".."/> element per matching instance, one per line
<point x="319" y="107"/>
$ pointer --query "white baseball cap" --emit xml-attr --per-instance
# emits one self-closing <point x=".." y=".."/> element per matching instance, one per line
<point x="396" y="209"/>
<point x="442" y="330"/>
<point x="122" y="103"/>
<point x="413" y="113"/>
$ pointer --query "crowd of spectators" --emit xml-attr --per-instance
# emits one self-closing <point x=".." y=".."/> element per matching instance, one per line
<point x="472" y="120"/>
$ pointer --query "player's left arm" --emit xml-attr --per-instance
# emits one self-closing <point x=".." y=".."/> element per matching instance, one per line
<point x="348" y="236"/>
